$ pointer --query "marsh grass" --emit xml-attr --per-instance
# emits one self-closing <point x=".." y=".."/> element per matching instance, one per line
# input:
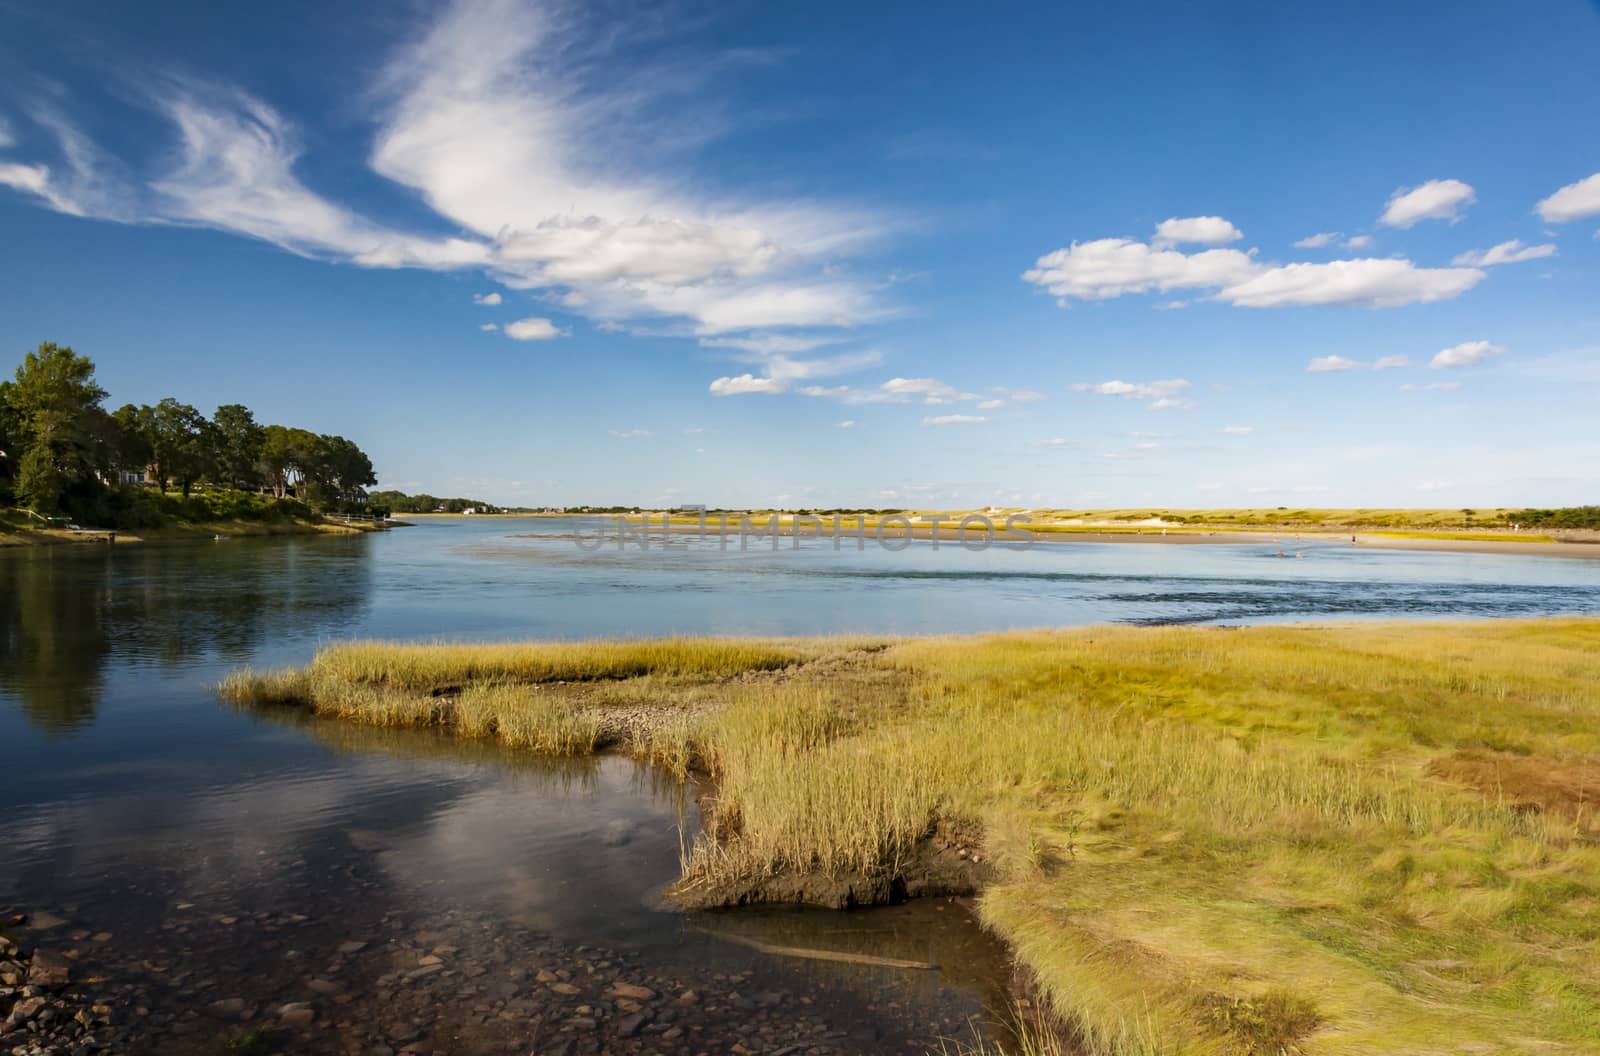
<point x="428" y="666"/>
<point x="1205" y="840"/>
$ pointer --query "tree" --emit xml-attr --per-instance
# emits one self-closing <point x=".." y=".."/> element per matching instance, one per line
<point x="237" y="440"/>
<point x="182" y="443"/>
<point x="345" y="469"/>
<point x="176" y="436"/>
<point x="135" y="429"/>
<point x="53" y="404"/>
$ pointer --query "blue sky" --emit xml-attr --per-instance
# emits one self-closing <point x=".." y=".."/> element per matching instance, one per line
<point x="1057" y="255"/>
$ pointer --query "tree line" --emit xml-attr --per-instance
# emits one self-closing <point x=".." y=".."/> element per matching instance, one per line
<point x="400" y="502"/>
<point x="62" y="452"/>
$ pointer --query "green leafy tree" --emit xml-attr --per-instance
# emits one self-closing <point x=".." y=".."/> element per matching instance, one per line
<point x="135" y="428"/>
<point x="177" y="437"/>
<point x="237" y="440"/>
<point x="346" y="470"/>
<point x="53" y="405"/>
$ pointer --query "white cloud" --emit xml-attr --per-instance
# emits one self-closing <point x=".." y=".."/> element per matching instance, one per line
<point x="1466" y="354"/>
<point x="488" y="299"/>
<point x="848" y="423"/>
<point x="930" y="389"/>
<point x="1140" y="390"/>
<point x="1434" y="200"/>
<point x="955" y="419"/>
<point x="7" y="137"/>
<point x="493" y="120"/>
<point x="1161" y="395"/>
<point x="1512" y="252"/>
<point x="234" y="171"/>
<point x="1434" y="386"/>
<point x="1238" y="430"/>
<point x="631" y="434"/>
<point x="488" y="327"/>
<point x="991" y="405"/>
<point x="1111" y="267"/>
<point x="773" y="344"/>
<point x="534" y="329"/>
<point x="1326" y="239"/>
<point x="1114" y="267"/>
<point x="1367" y="283"/>
<point x="552" y="178"/>
<point x="1391" y="363"/>
<point x="1572" y="202"/>
<point x="1019" y="395"/>
<point x="1206" y="230"/>
<point x="1327" y="364"/>
<point x="745" y="384"/>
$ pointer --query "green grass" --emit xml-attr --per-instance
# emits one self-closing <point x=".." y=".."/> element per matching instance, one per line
<point x="1205" y="840"/>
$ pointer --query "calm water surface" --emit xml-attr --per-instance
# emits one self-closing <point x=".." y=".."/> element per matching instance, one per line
<point x="125" y="786"/>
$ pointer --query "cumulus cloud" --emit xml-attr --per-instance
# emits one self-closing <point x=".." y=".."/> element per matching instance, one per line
<point x="1512" y="252"/>
<point x="1572" y="202"/>
<point x="1359" y="242"/>
<point x="929" y="390"/>
<point x="1434" y="200"/>
<point x="1160" y="395"/>
<point x="1466" y="354"/>
<point x="991" y="405"/>
<point x="1113" y="267"/>
<point x="746" y="384"/>
<point x="1368" y="283"/>
<point x="1205" y="230"/>
<point x="954" y="419"/>
<point x="535" y="329"/>
<point x="1328" y="364"/>
<point x="487" y="299"/>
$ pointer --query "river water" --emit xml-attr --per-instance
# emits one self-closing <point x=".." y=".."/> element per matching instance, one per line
<point x="227" y="855"/>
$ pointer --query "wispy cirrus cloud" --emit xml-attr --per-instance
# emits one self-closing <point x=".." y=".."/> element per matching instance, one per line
<point x="1512" y="252"/>
<point x="546" y="166"/>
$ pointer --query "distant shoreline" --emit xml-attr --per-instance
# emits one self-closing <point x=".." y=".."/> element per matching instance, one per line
<point x="1290" y="538"/>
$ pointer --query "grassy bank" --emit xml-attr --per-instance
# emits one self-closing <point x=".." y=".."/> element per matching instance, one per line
<point x="143" y="514"/>
<point x="1343" y="839"/>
